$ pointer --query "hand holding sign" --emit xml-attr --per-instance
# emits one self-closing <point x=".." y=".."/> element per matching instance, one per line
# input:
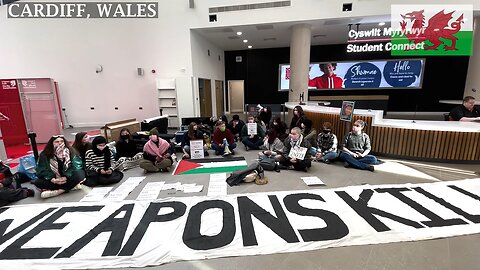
<point x="298" y="152"/>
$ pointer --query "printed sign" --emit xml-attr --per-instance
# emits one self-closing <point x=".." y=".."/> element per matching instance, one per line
<point x="196" y="149"/>
<point x="9" y="84"/>
<point x="252" y="128"/>
<point x="346" y="113"/>
<point x="29" y="84"/>
<point x="298" y="152"/>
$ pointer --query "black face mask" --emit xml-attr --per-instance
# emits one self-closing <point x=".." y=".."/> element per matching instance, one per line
<point x="125" y="137"/>
<point x="326" y="131"/>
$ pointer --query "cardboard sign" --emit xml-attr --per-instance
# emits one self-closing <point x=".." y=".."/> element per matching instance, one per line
<point x="196" y="149"/>
<point x="346" y="113"/>
<point x="252" y="128"/>
<point x="298" y="152"/>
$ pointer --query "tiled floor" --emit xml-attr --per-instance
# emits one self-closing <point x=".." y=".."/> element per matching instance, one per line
<point x="448" y="253"/>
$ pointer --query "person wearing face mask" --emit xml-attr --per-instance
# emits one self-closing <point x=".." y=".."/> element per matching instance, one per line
<point x="236" y="126"/>
<point x="355" y="152"/>
<point x="327" y="144"/>
<point x="156" y="154"/>
<point x="295" y="139"/>
<point x="193" y="134"/>
<point x="59" y="168"/>
<point x="100" y="163"/>
<point x="252" y="141"/>
<point x="298" y="116"/>
<point x="222" y="138"/>
<point x="309" y="132"/>
<point x="82" y="144"/>
<point x="127" y="155"/>
<point x="280" y="128"/>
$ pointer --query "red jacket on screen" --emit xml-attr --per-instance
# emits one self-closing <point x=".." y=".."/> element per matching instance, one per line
<point x="326" y="81"/>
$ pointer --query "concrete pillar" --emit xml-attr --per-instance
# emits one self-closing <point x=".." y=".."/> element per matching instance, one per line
<point x="299" y="61"/>
<point x="472" y="85"/>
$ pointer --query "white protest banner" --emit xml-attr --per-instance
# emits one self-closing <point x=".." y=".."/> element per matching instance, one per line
<point x="196" y="149"/>
<point x="123" y="234"/>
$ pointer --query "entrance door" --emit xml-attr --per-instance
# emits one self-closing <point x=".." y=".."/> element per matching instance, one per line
<point x="14" y="131"/>
<point x="205" y="94"/>
<point x="219" y="98"/>
<point x="236" y="96"/>
<point x="41" y="108"/>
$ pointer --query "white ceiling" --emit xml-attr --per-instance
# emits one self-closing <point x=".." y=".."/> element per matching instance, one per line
<point x="275" y="35"/>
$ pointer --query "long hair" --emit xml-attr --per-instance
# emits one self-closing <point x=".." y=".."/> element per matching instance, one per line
<point x="49" y="150"/>
<point x="191" y="131"/>
<point x="121" y="131"/>
<point x="272" y="135"/>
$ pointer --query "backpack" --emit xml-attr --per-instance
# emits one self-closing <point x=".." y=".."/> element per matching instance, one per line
<point x="237" y="176"/>
<point x="268" y="164"/>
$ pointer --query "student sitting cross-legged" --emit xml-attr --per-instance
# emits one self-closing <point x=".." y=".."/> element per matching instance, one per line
<point x="127" y="155"/>
<point x="156" y="154"/>
<point x="193" y="133"/>
<point x="223" y="140"/>
<point x="296" y="142"/>
<point x="100" y="164"/>
<point x="252" y="141"/>
<point x="355" y="152"/>
<point x="59" y="168"/>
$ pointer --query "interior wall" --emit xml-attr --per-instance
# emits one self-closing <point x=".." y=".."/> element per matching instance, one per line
<point x="208" y="63"/>
<point x="444" y="77"/>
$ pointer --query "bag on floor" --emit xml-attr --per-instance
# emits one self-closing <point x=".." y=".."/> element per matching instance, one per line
<point x="269" y="164"/>
<point x="27" y="167"/>
<point x="237" y="176"/>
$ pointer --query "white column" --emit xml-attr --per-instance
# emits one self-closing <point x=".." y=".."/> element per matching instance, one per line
<point x="473" y="73"/>
<point x="299" y="61"/>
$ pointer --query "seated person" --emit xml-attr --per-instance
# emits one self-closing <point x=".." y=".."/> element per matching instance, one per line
<point x="82" y="144"/>
<point x="309" y="133"/>
<point x="295" y="139"/>
<point x="236" y="126"/>
<point x="193" y="133"/>
<point x="59" y="168"/>
<point x="100" y="164"/>
<point x="272" y="146"/>
<point x="280" y="128"/>
<point x="467" y="112"/>
<point x="157" y="155"/>
<point x="10" y="187"/>
<point x="327" y="144"/>
<point x="355" y="152"/>
<point x="127" y="155"/>
<point x="223" y="141"/>
<point x="252" y="141"/>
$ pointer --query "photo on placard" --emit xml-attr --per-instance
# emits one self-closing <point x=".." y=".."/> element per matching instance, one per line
<point x="346" y="113"/>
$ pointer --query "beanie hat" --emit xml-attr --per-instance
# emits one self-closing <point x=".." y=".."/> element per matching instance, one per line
<point x="154" y="131"/>
<point x="98" y="140"/>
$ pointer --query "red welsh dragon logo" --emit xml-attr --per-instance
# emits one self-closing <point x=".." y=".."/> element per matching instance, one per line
<point x="438" y="27"/>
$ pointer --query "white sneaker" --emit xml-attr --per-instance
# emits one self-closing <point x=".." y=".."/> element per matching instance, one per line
<point x="50" y="193"/>
<point x="78" y="187"/>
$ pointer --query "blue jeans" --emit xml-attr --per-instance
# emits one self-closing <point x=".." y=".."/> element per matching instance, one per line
<point x="221" y="150"/>
<point x="361" y="163"/>
<point x="254" y="143"/>
<point x="330" y="156"/>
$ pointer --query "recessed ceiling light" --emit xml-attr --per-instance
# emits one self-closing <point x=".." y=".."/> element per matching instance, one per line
<point x="249" y="46"/>
<point x="239" y="33"/>
<point x="245" y="41"/>
<point x="381" y="23"/>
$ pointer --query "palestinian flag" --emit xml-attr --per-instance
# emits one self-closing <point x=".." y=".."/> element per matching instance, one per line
<point x="210" y="165"/>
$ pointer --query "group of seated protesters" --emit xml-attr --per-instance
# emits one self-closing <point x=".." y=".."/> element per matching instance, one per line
<point x="276" y="143"/>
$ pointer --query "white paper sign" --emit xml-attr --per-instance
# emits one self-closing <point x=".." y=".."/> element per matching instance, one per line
<point x="150" y="191"/>
<point x="252" y="128"/>
<point x="217" y="185"/>
<point x="297" y="152"/>
<point x="196" y="149"/>
<point x="312" y="181"/>
<point x="96" y="194"/>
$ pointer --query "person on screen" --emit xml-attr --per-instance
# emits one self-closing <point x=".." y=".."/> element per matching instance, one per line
<point x="467" y="112"/>
<point x="329" y="79"/>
